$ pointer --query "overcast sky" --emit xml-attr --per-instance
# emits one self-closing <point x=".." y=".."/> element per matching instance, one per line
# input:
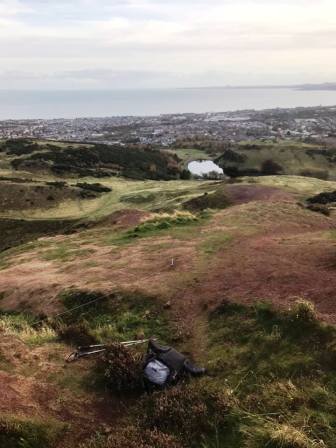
<point x="99" y="44"/>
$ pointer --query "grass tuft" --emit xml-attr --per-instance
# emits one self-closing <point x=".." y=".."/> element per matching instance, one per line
<point x="29" y="433"/>
<point x="21" y="326"/>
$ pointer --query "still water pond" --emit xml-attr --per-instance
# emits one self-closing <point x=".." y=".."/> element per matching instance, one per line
<point x="201" y="167"/>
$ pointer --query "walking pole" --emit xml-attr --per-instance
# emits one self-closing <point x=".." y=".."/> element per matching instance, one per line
<point x="89" y="350"/>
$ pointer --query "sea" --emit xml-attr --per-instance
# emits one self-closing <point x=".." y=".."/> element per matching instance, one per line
<point x="78" y="104"/>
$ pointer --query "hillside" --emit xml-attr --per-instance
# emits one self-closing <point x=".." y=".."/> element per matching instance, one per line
<point x="246" y="255"/>
<point x="234" y="245"/>
<point x="286" y="157"/>
<point x="90" y="160"/>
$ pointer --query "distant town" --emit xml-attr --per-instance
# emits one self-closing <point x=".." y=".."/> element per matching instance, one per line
<point x="311" y="124"/>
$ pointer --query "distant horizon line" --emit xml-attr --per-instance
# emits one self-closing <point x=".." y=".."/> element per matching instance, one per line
<point x="304" y="86"/>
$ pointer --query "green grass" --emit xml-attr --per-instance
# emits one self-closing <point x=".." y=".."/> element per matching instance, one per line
<point x="178" y="225"/>
<point x="29" y="433"/>
<point x="162" y="222"/>
<point x="117" y="317"/>
<point x="215" y="242"/>
<point x="145" y="195"/>
<point x="272" y="384"/>
<point x="295" y="157"/>
<point x="280" y="368"/>
<point x="65" y="252"/>
<point x="21" y="326"/>
<point x="304" y="186"/>
<point x="292" y="144"/>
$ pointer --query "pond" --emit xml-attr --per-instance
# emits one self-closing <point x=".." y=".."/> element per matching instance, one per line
<point x="201" y="167"/>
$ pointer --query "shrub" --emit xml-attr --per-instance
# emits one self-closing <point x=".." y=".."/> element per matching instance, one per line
<point x="319" y="208"/>
<point x="233" y="156"/>
<point x="133" y="437"/>
<point x="270" y="167"/>
<point x="95" y="187"/>
<point x="57" y="184"/>
<point x="185" y="174"/>
<point x="122" y="369"/>
<point x="303" y="311"/>
<point x="185" y="410"/>
<point x="323" y="198"/>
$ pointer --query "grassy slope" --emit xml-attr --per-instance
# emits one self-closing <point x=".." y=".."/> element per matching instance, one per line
<point x="272" y="382"/>
<point x="290" y="155"/>
<point x="126" y="193"/>
<point x="302" y="186"/>
<point x="273" y="386"/>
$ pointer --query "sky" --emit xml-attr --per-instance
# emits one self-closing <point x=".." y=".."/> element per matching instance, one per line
<point x="116" y="44"/>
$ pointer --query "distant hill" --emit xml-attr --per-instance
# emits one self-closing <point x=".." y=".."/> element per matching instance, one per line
<point x="95" y="160"/>
<point x="285" y="157"/>
<point x="324" y="86"/>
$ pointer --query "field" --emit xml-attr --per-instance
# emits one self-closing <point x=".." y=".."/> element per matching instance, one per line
<point x="239" y="275"/>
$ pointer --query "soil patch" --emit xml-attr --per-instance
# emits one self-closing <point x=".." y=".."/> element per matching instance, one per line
<point x="240" y="194"/>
